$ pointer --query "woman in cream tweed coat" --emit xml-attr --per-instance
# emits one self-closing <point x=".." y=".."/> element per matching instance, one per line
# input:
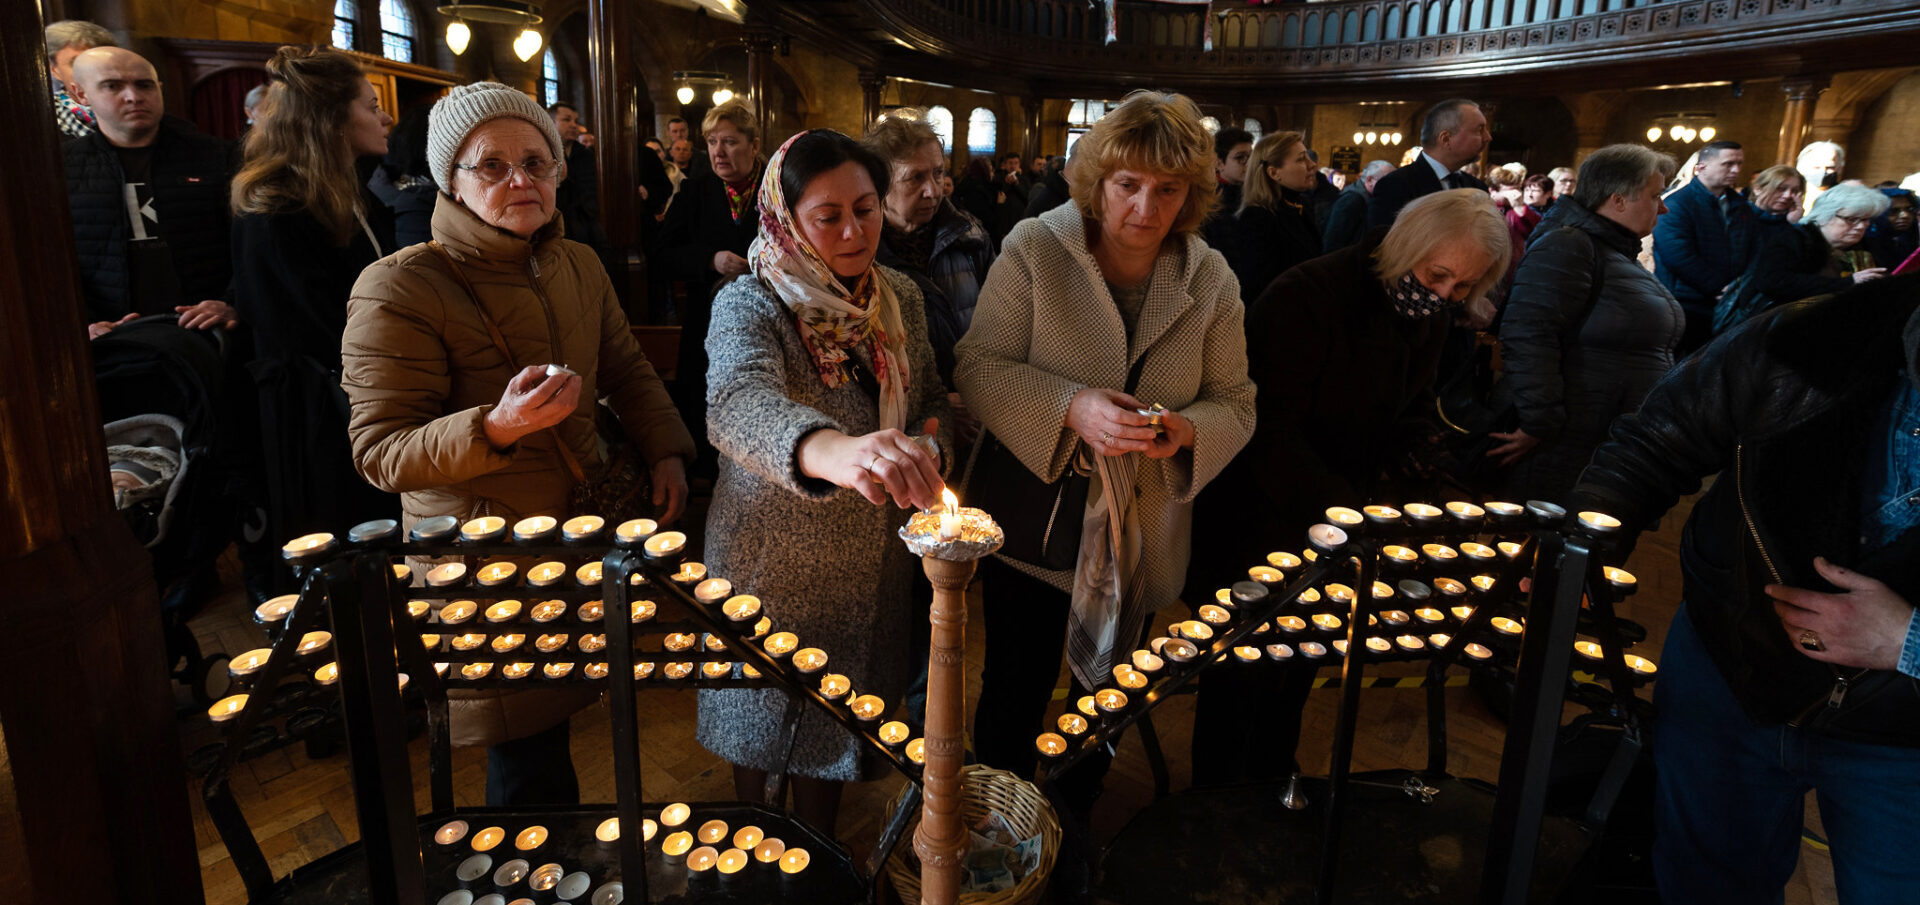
<point x="1078" y="296"/>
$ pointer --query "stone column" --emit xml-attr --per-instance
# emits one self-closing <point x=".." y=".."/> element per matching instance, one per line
<point x="1030" y="147"/>
<point x="1802" y="92"/>
<point x="759" y="44"/>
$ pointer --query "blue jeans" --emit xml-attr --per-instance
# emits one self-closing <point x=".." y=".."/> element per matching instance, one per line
<point x="1731" y="796"/>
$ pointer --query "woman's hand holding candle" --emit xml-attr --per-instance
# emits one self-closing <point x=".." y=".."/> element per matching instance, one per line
<point x="532" y="402"/>
<point x="1110" y="422"/>
<point x="1176" y="435"/>
<point x="877" y="465"/>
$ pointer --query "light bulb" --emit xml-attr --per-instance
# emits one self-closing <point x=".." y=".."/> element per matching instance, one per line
<point x="527" y="45"/>
<point x="1675" y="132"/>
<point x="1688" y="133"/>
<point x="1653" y="133"/>
<point x="1359" y="137"/>
<point x="1707" y="134"/>
<point x="722" y="95"/>
<point x="1372" y="137"/>
<point x="458" y="36"/>
<point x="684" y="95"/>
<point x="1397" y="138"/>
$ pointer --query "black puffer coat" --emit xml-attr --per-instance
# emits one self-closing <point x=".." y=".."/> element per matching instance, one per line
<point x="1575" y="359"/>
<point x="1783" y="409"/>
<point x="189" y="173"/>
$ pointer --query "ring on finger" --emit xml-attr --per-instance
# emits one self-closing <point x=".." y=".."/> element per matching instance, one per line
<point x="1810" y="640"/>
<point x="1106" y="437"/>
<point x="871" y="465"/>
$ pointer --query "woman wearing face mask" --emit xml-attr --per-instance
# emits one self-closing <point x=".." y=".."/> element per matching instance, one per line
<point x="1273" y="228"/>
<point x="821" y="367"/>
<point x="1343" y="349"/>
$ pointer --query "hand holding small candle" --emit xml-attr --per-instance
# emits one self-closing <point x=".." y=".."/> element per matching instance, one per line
<point x="877" y="465"/>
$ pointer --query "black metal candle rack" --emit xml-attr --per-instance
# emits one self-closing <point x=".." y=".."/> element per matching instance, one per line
<point x="613" y="608"/>
<point x="1443" y="586"/>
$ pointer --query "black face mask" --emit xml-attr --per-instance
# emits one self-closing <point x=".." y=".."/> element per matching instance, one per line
<point x="1413" y="300"/>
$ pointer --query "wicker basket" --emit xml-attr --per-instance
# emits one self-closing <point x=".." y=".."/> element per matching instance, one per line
<point x="985" y="789"/>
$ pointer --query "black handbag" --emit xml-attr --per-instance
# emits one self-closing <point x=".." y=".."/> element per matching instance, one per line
<point x="1043" y="522"/>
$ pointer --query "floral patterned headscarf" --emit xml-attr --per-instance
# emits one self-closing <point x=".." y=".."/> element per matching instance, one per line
<point x="832" y="317"/>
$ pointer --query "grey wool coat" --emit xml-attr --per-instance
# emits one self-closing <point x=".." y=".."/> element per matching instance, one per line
<point x="826" y="564"/>
<point x="1047" y="327"/>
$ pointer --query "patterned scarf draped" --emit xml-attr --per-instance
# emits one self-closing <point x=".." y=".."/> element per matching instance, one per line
<point x="737" y="198"/>
<point x="833" y="319"/>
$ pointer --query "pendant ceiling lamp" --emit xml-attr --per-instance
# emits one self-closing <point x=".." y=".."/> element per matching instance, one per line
<point x="503" y="12"/>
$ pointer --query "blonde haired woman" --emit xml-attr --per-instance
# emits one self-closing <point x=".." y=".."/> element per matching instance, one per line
<point x="1116" y="288"/>
<point x="1273" y="229"/>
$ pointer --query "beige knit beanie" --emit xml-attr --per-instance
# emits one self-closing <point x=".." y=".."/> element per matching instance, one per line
<point x="455" y="116"/>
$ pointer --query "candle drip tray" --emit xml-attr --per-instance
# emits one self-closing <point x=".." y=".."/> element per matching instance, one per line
<point x="830" y="877"/>
<point x="1236" y="844"/>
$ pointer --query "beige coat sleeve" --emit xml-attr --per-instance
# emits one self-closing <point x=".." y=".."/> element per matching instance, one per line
<point x="1024" y="406"/>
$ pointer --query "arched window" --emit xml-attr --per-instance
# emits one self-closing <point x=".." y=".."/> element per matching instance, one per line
<point x="344" y="15"/>
<point x="941" y="119"/>
<point x="549" y="78"/>
<point x="396" y="31"/>
<point x="982" y="132"/>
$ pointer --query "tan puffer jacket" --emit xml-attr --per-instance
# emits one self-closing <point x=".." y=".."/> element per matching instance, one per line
<point x="422" y="372"/>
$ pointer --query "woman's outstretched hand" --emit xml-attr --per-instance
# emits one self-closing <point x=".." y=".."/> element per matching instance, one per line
<point x="879" y="465"/>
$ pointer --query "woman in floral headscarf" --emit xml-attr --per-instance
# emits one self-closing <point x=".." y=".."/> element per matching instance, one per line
<point x="820" y="369"/>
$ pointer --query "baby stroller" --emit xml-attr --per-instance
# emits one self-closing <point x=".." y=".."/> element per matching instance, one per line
<point x="160" y="389"/>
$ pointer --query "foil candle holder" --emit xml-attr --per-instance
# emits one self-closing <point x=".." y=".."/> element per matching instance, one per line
<point x="702" y="859"/>
<point x="594" y="671"/>
<point x="1148" y="662"/>
<point x="516" y="670"/>
<point x="1429" y="615"/>
<point x="1508" y="549"/>
<point x="1087" y="707"/>
<point x="530" y="838"/>
<point x="809" y="660"/>
<point x="677" y="671"/>
<point x="1379" y="645"/>
<point x="1599" y="522"/>
<point x="634" y="531"/>
<point x="1344" y="517"/>
<point x="556" y="670"/>
<point x="511" y="873"/>
<point x="1213" y="614"/>
<point x="487" y="839"/>
<point x="1266" y="575"/>
<point x="741" y="607"/>
<point x="1620" y="578"/>
<point x="546" y="574"/>
<point x="833" y="686"/>
<point x="689" y="573"/>
<point x="712" y="670"/>
<point x="434" y="530"/>
<point x="572" y="886"/>
<point x="712" y="832"/>
<point x="549" y="610"/>
<point x="313" y="642"/>
<point x="1244" y="653"/>
<point x="276" y="609"/>
<point x="1466" y="513"/>
<point x="747" y="837"/>
<point x="1284" y="561"/>
<point x="328" y="674"/>
<point x="917" y="751"/>
<point x="1641" y="665"/>
<point x="590" y="574"/>
<point x="1129" y="678"/>
<point x="1505" y="626"/>
<point x="1439" y="640"/>
<point x="1279" y="652"/>
<point x="308" y="547"/>
<point x="675" y="814"/>
<point x="731" y="862"/>
<point x="1479" y="553"/>
<point x="592" y="611"/>
<point x="954" y="533"/>
<point x="227" y="708"/>
<point x="677" y="844"/>
<point x="450" y="832"/>
<point x="769" y="850"/>
<point x="1326" y="538"/>
<point x="893" y="734"/>
<point x="446" y="574"/>
<point x="1072" y="725"/>
<point x="1312" y="650"/>
<point x="665" y="543"/>
<point x="640" y="611"/>
<point x="581" y="528"/>
<point x="1399" y="555"/>
<point x="373" y="532"/>
<point x="483" y="529"/>
<point x="867" y="708"/>
<point x="250" y="662"/>
<point x="713" y="590"/>
<point x="534" y="528"/>
<point x="1110" y="701"/>
<point x="794" y="861"/>
<point x="508" y="643"/>
<point x="1050" y="746"/>
<point x="475" y="671"/>
<point x="1589" y="650"/>
<point x="1382" y="515"/>
<point x="1423" y="515"/>
<point x="503" y="611"/>
<point x="458" y="611"/>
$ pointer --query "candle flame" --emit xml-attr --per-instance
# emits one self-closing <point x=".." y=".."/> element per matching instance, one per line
<point x="949" y="500"/>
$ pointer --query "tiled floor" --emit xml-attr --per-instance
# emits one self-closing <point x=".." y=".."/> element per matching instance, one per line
<point x="301" y="809"/>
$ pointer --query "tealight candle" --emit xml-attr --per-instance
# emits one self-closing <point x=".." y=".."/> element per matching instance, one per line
<point x="1480" y="552"/>
<point x="276" y="609"/>
<point x="1291" y="624"/>
<point x="1326" y="537"/>
<point x="482" y="528"/>
<point x="534" y="527"/>
<point x="761" y="628"/>
<point x="1438" y="552"/>
<point x="1087" y="706"/>
<point x="1129" y="678"/>
<point x="1478" y="651"/>
<point x="1266" y="575"/>
<point x="227" y="708"/>
<point x="1429" y="614"/>
<point x="634" y="531"/>
<point x="675" y="814"/>
<point x="591" y="644"/>
<point x="690" y="572"/>
<point x="590" y="574"/>
<point x="592" y="611"/>
<point x="640" y="611"/>
<point x="712" y="831"/>
<point x="1422" y="512"/>
<point x="713" y="642"/>
<point x="1588" y="649"/>
<point x="1618" y="577"/>
<point x="794" y="861"/>
<point x="677" y="844"/>
<point x="1050" y="745"/>
<point x="731" y="861"/>
<point x="892" y="734"/>
<point x="508" y="642"/>
<point x="556" y="670"/>
<point x="867" y="708"/>
<point x="328" y="674"/>
<point x="1449" y="587"/>
<point x="516" y="670"/>
<point x="1340" y="594"/>
<point x="546" y="574"/>
<point x="1599" y="522"/>
<point x="446" y="574"/>
<point x="1110" y="700"/>
<point x="741" y="607"/>
<point x="1312" y="650"/>
<point x="504" y="611"/>
<point x="713" y="670"/>
<point x="1342" y="516"/>
<point x="917" y="751"/>
<point x="571" y="887"/>
<point x="1395" y="617"/>
<point x="485" y="840"/>
<point x="665" y="543"/>
<point x="307" y="545"/>
<point x="643" y="670"/>
<point x="458" y="611"/>
<point x="1214" y="614"/>
<point x="1286" y="562"/>
<point x="833" y="686"/>
<point x="313" y="641"/>
<point x="1379" y="644"/>
<point x="511" y="873"/>
<point x="1072" y="725"/>
<point x="1180" y="650"/>
<point x="1508" y="548"/>
<point x="1483" y="582"/>
<point x="702" y="859"/>
<point x="1463" y="612"/>
<point x="1147" y="662"/>
<point x="250" y="662"/>
<point x="647" y="829"/>
<point x="1382" y="514"/>
<point x="1399" y="554"/>
<point x="1641" y="665"/>
<point x="581" y="527"/>
<point x="1308" y="596"/>
<point x="1279" y="652"/>
<point x="1506" y="510"/>
<point x="476" y="670"/>
<point x="1465" y="512"/>
<point x="677" y="671"/>
<point x="769" y="850"/>
<point x="1196" y="631"/>
<point x="532" y="837"/>
<point x="747" y="837"/>
<point x="713" y="590"/>
<point x="1244" y="653"/>
<point x="1327" y="621"/>
<point x="549" y="610"/>
<point x="1340" y="646"/>
<point x="475" y="867"/>
<point x="1439" y="639"/>
<point x="595" y="671"/>
<point x="780" y="644"/>
<point x="450" y="832"/>
<point x="810" y="660"/>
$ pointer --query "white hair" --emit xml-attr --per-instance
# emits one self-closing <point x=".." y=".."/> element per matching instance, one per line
<point x="1846" y="200"/>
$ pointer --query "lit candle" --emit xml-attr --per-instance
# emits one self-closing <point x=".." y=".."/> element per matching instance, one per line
<point x="307" y="545"/>
<point x="313" y="641"/>
<point x="1340" y="646"/>
<point x="1266" y="575"/>
<point x="689" y="573"/>
<point x="450" y="832"/>
<point x="675" y="814"/>
<point x="595" y="671"/>
<point x="1509" y="549"/>
<point x="634" y="531"/>
<point x="1342" y="516"/>
<point x="712" y="831"/>
<point x="532" y="837"/>
<point x="1326" y="538"/>
<point x="508" y="642"/>
<point x="1148" y="662"/>
<point x="893" y="734"/>
<point x="1475" y="551"/>
<point x="949" y="515"/>
<point x="446" y="574"/>
<point x="741" y="607"/>
<point x="833" y="686"/>
<point x="458" y="611"/>
<point x="1618" y="577"/>
<point x="1429" y="614"/>
<point x="1599" y="522"/>
<point x="1640" y="665"/>
<point x="510" y="873"/>
<point x="1327" y="621"/>
<point x="516" y="670"/>
<point x="546" y="574"/>
<point x="1505" y="626"/>
<point x="678" y="671"/>
<point x="647" y="829"/>
<point x="1086" y="706"/>
<point x="1378" y="644"/>
<point x="747" y="837"/>
<point x="1395" y="617"/>
<point x="1110" y="700"/>
<point x="1410" y="642"/>
<point x="1279" y="652"/>
<point x="1478" y="651"/>
<point x="580" y="528"/>
<point x="639" y="611"/>
<point x="1312" y="650"/>
<point x="1196" y="631"/>
<point x="1382" y="514"/>
<point x="643" y="670"/>
<point x="1129" y="678"/>
<point x="713" y="590"/>
<point x="533" y="527"/>
<point x="810" y="660"/>
<point x="1483" y="582"/>
<point x="250" y="662"/>
<point x="1399" y="553"/>
<point x="468" y="641"/>
<point x="1465" y="512"/>
<point x="702" y="859"/>
<point x="1179" y="650"/>
<point x="549" y="610"/>
<point x="1072" y="725"/>
<point x="666" y="543"/>
<point x="1050" y="745"/>
<point x="476" y="670"/>
<point x="328" y="674"/>
<point x="1291" y="624"/>
<point x="556" y="670"/>
<point x="485" y="840"/>
<point x="1308" y="596"/>
<point x="1339" y="594"/>
<point x="867" y="708"/>
<point x="917" y="751"/>
<point x="780" y="644"/>
<point x="1421" y="513"/>
<point x="589" y="574"/>
<point x="590" y="644"/>
<point x="275" y="609"/>
<point x="1245" y="653"/>
<point x="1438" y="552"/>
<point x="571" y="887"/>
<point x="677" y="844"/>
<point x="1285" y="562"/>
<point x="1439" y="639"/>
<point x="227" y="708"/>
<point x="1215" y="615"/>
<point x="1588" y="649"/>
<point x="1449" y="587"/>
<point x="769" y="850"/>
<point x="794" y="861"/>
<point x="731" y="861"/>
<point x="482" y="528"/>
<point x="504" y="611"/>
<point x="1506" y="510"/>
<point x="714" y="670"/>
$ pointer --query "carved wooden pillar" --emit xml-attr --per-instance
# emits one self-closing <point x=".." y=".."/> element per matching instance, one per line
<point x="870" y="84"/>
<point x="93" y="791"/>
<point x="1030" y="148"/>
<point x="1802" y="92"/>
<point x="616" y="108"/>
<point x="759" y="44"/>
<point x="941" y="840"/>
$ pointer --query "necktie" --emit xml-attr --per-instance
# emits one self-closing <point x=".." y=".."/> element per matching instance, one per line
<point x="1452" y="181"/>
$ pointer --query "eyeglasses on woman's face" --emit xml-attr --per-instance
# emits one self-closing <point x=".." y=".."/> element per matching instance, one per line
<point x="494" y="170"/>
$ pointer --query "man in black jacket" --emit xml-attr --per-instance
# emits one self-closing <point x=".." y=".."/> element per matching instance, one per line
<point x="149" y="200"/>
<point x="1793" y="662"/>
<point x="1451" y="137"/>
<point x="1347" y="221"/>
<point x="1701" y="245"/>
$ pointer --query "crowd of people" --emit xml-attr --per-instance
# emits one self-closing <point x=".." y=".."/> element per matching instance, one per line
<point x="421" y="322"/>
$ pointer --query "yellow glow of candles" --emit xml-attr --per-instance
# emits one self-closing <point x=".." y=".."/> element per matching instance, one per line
<point x="1449" y="587"/>
<point x="1087" y="706"/>
<point x="1465" y="510"/>
<point x="313" y="641"/>
<point x="892" y="734"/>
<point x="1283" y="560"/>
<point x="1072" y="725"/>
<point x="1439" y="639"/>
<point x="1309" y="555"/>
<point x="1399" y="554"/>
<point x="647" y="829"/>
<point x="1180" y="650"/>
<point x="633" y="530"/>
<point x="592" y="611"/>
<point x="1340" y="594"/>
<point x="675" y="814"/>
<point x="1382" y="590"/>
<point x="1478" y="651"/>
<point x="509" y="642"/>
<point x="532" y="837"/>
<point x="306" y="543"/>
<point x="1266" y="575"/>
<point x="1477" y="551"/>
<point x="487" y="839"/>
<point x="583" y="526"/>
<point x="1509" y="548"/>
<point x="328" y="674"/>
<point x="731" y="861"/>
<point x="481" y="527"/>
<point x="949" y="515"/>
<point x="712" y="831"/>
<point x="1618" y="577"/>
<point x="276" y="609"/>
<point x="780" y="644"/>
<point x="1382" y="513"/>
<point x="1215" y="615"/>
<point x="643" y="669"/>
<point x="1327" y="536"/>
<point x="556" y="670"/>
<point x="1410" y="642"/>
<point x="1377" y="643"/>
<point x="1292" y="623"/>
<point x="762" y="627"/>
<point x="1312" y="650"/>
<point x="1505" y="508"/>
<point x="1326" y="621"/>
<point x="1438" y="551"/>
<point x="516" y="670"/>
<point x="468" y="641"/>
<point x="747" y="837"/>
<point x="1310" y="595"/>
<point x="1599" y="521"/>
<point x="1483" y="582"/>
<point x="546" y="573"/>
<point x="1423" y="511"/>
<point x="1279" y="652"/>
<point x="702" y="859"/>
<point x="227" y="708"/>
<point x="476" y="670"/>
<point x="713" y="642"/>
<point x="1340" y="644"/>
<point x="250" y="662"/>
<point x="1196" y="631"/>
<point x="1244" y="653"/>
<point x="741" y="607"/>
<point x="1429" y="614"/>
<point x="1640" y="665"/>
<point x="589" y="574"/>
<point x="769" y="850"/>
<point x="690" y="572"/>
<point x="1129" y="678"/>
<point x="1224" y="596"/>
<point x="1050" y="744"/>
<point x="416" y="608"/>
<point x="833" y="686"/>
<point x="677" y="671"/>
<point x="549" y="643"/>
<point x="716" y="670"/>
<point x="1395" y="617"/>
<point x="595" y="671"/>
<point x="1147" y="662"/>
<point x="794" y="861"/>
<point x="810" y="660"/>
<point x="677" y="844"/>
<point x="1588" y="649"/>
<point x="1462" y="613"/>
<point x="679" y="641"/>
<point x="713" y="590"/>
<point x="917" y="751"/>
<point x="504" y="611"/>
<point x="1341" y="515"/>
<point x="592" y="643"/>
<point x="533" y="526"/>
<point x="1505" y="626"/>
<point x="450" y="832"/>
<point x="458" y="611"/>
<point x="608" y="830"/>
<point x="1110" y="700"/>
<point x="666" y="543"/>
<point x="867" y="707"/>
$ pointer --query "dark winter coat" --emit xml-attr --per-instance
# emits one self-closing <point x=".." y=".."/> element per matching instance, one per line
<point x="1400" y="187"/>
<point x="1792" y="265"/>
<point x="1783" y="409"/>
<point x="1576" y="360"/>
<point x="698" y="226"/>
<point x="1696" y="253"/>
<point x="950" y="283"/>
<point x="1264" y="242"/>
<point x="190" y="173"/>
<point x="1347" y="221"/>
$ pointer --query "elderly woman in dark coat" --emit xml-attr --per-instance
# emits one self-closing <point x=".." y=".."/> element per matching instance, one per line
<point x="1587" y="331"/>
